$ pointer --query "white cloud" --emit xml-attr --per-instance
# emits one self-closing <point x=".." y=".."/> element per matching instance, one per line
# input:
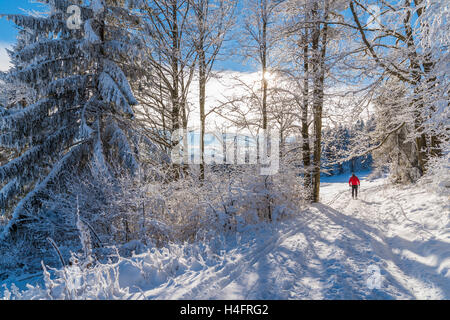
<point x="4" y="58"/>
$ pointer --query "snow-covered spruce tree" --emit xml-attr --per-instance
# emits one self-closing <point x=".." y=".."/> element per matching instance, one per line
<point x="81" y="100"/>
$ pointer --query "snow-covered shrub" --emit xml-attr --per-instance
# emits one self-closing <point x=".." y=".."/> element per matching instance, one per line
<point x="396" y="152"/>
<point x="115" y="278"/>
<point x="117" y="211"/>
<point x="227" y="200"/>
<point x="128" y="277"/>
<point x="437" y="177"/>
<point x="90" y="212"/>
<point x="73" y="283"/>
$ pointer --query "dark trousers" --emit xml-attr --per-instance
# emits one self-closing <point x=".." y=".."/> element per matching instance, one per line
<point x="354" y="191"/>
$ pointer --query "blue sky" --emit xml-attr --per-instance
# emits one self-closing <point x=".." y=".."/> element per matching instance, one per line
<point x="8" y="33"/>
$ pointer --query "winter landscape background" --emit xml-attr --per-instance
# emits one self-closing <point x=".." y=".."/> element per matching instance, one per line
<point x="202" y="149"/>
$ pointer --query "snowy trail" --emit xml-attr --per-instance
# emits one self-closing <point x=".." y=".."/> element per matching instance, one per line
<point x="409" y="250"/>
<point x="386" y="235"/>
<point x="330" y="251"/>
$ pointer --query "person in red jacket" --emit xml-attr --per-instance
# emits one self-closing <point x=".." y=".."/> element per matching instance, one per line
<point x="354" y="183"/>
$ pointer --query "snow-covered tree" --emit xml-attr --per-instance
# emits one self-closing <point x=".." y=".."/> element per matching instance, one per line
<point x="337" y="144"/>
<point x="75" y="60"/>
<point x="211" y="21"/>
<point x="171" y="57"/>
<point x="396" y="153"/>
<point x="434" y="42"/>
<point x="401" y="47"/>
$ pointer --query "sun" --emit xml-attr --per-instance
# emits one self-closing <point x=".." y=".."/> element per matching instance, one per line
<point x="268" y="76"/>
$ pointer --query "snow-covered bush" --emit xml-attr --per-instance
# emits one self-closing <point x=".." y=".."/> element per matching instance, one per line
<point x="152" y="211"/>
<point x="127" y="277"/>
<point x="188" y="209"/>
<point x="73" y="283"/>
<point x="115" y="278"/>
<point x="437" y="177"/>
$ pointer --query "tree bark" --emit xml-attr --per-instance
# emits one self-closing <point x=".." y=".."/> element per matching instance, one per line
<point x="318" y="91"/>
<point x="264" y="65"/>
<point x="202" y="97"/>
<point x="305" y="127"/>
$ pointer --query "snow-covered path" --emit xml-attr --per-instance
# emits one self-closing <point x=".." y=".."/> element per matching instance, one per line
<point x="334" y="251"/>
<point x="402" y="230"/>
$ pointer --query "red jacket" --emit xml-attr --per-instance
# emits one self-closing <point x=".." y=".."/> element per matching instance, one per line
<point x="354" y="181"/>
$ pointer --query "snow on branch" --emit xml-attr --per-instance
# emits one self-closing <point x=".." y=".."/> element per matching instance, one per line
<point x="22" y="165"/>
<point x="119" y="139"/>
<point x="66" y="163"/>
<point x="110" y="92"/>
<point x="8" y="191"/>
<point x="119" y="77"/>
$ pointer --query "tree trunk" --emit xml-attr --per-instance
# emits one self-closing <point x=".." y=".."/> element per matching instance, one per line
<point x="318" y="91"/>
<point x="175" y="114"/>
<point x="305" y="128"/>
<point x="202" y="94"/>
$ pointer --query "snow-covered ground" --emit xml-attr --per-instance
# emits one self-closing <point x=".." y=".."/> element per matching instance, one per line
<point x="391" y="243"/>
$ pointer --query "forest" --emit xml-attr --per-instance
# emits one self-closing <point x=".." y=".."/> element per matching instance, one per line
<point x="161" y="129"/>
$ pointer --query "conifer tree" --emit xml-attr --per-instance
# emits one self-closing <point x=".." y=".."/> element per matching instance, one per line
<point x="75" y="62"/>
